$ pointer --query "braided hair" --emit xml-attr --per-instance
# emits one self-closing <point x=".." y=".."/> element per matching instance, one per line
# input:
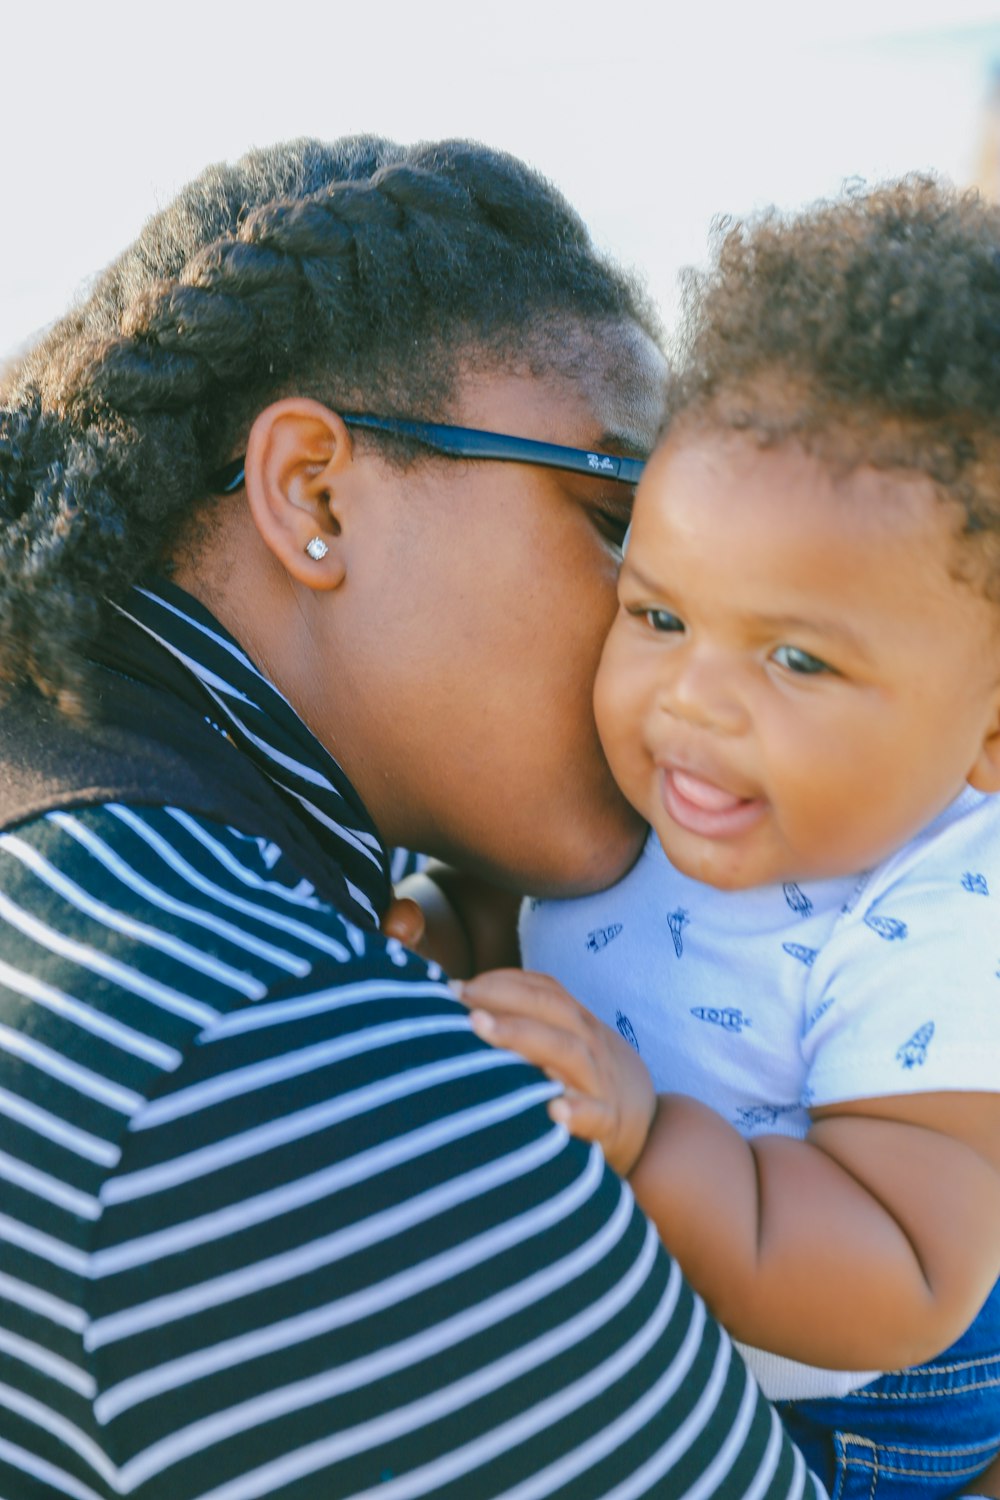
<point x="358" y="273"/>
<point x="867" y="329"/>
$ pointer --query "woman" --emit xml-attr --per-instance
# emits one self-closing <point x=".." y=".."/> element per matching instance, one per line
<point x="274" y="1222"/>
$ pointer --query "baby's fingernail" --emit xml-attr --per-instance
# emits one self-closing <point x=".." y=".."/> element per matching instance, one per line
<point x="457" y="987"/>
<point x="483" y="1024"/>
<point x="559" y="1111"/>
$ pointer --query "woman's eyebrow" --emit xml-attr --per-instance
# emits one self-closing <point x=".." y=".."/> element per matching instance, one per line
<point x="627" y="444"/>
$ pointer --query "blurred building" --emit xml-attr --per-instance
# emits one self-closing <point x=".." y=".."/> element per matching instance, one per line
<point x="988" y="169"/>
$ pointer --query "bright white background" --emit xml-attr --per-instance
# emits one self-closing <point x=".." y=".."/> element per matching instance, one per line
<point x="651" y="117"/>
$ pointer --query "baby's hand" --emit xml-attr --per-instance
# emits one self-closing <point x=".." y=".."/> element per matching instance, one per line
<point x="609" y="1096"/>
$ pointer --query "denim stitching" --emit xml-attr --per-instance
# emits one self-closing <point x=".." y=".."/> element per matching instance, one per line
<point x="880" y="1456"/>
<point x="965" y="1364"/>
<point x="878" y="1465"/>
<point x="845" y="1463"/>
<point x="925" y="1395"/>
<point x="876" y="1460"/>
<point x="848" y="1463"/>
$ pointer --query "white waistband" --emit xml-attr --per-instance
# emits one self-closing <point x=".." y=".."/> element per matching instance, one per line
<point x="786" y="1380"/>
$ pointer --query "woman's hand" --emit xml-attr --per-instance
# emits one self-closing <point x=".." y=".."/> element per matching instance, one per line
<point x="609" y="1096"/>
<point x="403" y="920"/>
<point x="458" y="920"/>
<point x="421" y="916"/>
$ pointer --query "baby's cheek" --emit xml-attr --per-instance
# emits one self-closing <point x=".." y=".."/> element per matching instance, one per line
<point x="609" y="706"/>
<point x="608" y="714"/>
<point x="620" y="733"/>
<point x="619" y="690"/>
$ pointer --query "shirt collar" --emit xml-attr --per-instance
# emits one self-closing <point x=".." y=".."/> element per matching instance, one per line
<point x="243" y="704"/>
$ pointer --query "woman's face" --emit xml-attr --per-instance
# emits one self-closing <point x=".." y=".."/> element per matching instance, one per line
<point x="469" y="627"/>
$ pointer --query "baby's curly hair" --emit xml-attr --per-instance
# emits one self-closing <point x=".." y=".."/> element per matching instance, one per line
<point x="868" y="330"/>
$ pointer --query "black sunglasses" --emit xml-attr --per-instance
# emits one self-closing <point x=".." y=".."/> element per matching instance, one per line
<point x="469" y="442"/>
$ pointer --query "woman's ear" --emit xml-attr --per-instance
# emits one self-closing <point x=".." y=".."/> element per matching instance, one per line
<point x="298" y="463"/>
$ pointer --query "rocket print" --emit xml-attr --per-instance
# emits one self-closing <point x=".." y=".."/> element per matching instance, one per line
<point x="913" y="1054"/>
<point x="890" y="928"/>
<point x="627" y="1029"/>
<point x="602" y="936"/>
<point x="729" y="1017"/>
<point x="804" y="955"/>
<point x="821" y="1010"/>
<point x="677" y="921"/>
<point x="797" y="899"/>
<point x="763" y="1114"/>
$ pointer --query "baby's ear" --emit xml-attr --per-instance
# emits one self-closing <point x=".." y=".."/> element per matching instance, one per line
<point x="985" y="773"/>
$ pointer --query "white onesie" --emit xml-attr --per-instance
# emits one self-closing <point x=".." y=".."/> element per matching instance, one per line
<point x="765" y="1002"/>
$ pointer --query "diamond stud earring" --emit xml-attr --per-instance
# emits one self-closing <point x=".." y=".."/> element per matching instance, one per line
<point x="317" y="548"/>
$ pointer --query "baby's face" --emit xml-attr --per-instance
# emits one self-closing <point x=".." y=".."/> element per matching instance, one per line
<point x="794" y="683"/>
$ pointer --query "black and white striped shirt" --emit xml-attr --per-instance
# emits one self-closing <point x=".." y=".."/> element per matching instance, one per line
<point x="273" y="1222"/>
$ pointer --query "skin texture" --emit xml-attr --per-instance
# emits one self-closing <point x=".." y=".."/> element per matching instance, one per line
<point x="444" y="648"/>
<point x="873" y="1242"/>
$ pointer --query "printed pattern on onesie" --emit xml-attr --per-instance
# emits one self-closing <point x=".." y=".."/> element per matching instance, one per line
<point x="766" y="1001"/>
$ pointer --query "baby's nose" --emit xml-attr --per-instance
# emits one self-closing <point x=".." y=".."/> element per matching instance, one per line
<point x="702" y="689"/>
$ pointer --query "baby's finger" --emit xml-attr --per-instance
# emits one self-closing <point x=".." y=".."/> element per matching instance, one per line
<point x="521" y="992"/>
<point x="592" y="1119"/>
<point x="558" y="1053"/>
<point x="587" y="1118"/>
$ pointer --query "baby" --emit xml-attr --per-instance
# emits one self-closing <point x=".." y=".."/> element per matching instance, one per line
<point x="789" y="1035"/>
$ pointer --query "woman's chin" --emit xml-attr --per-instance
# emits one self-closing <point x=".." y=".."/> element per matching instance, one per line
<point x="577" y="866"/>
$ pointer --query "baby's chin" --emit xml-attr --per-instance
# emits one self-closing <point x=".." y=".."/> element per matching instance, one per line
<point x="731" y="870"/>
<point x="722" y="866"/>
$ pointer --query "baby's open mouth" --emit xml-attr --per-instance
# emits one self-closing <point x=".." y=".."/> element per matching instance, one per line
<point x="701" y="793"/>
<point x="702" y="807"/>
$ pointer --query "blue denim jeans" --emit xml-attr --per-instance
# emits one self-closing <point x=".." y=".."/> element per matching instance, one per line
<point x="920" y="1434"/>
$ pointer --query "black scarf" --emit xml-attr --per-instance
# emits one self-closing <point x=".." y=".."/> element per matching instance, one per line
<point x="181" y="716"/>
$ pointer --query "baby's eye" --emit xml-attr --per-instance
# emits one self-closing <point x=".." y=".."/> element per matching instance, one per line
<point x="661" y="620"/>
<point x="802" y="662"/>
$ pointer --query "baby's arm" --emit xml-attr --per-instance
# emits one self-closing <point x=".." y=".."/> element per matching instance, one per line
<point x="871" y="1244"/>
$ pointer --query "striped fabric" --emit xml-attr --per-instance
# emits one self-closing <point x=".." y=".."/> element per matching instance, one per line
<point x="274" y="1223"/>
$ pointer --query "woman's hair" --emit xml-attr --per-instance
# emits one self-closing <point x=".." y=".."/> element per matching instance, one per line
<point x="868" y="330"/>
<point x="361" y="273"/>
